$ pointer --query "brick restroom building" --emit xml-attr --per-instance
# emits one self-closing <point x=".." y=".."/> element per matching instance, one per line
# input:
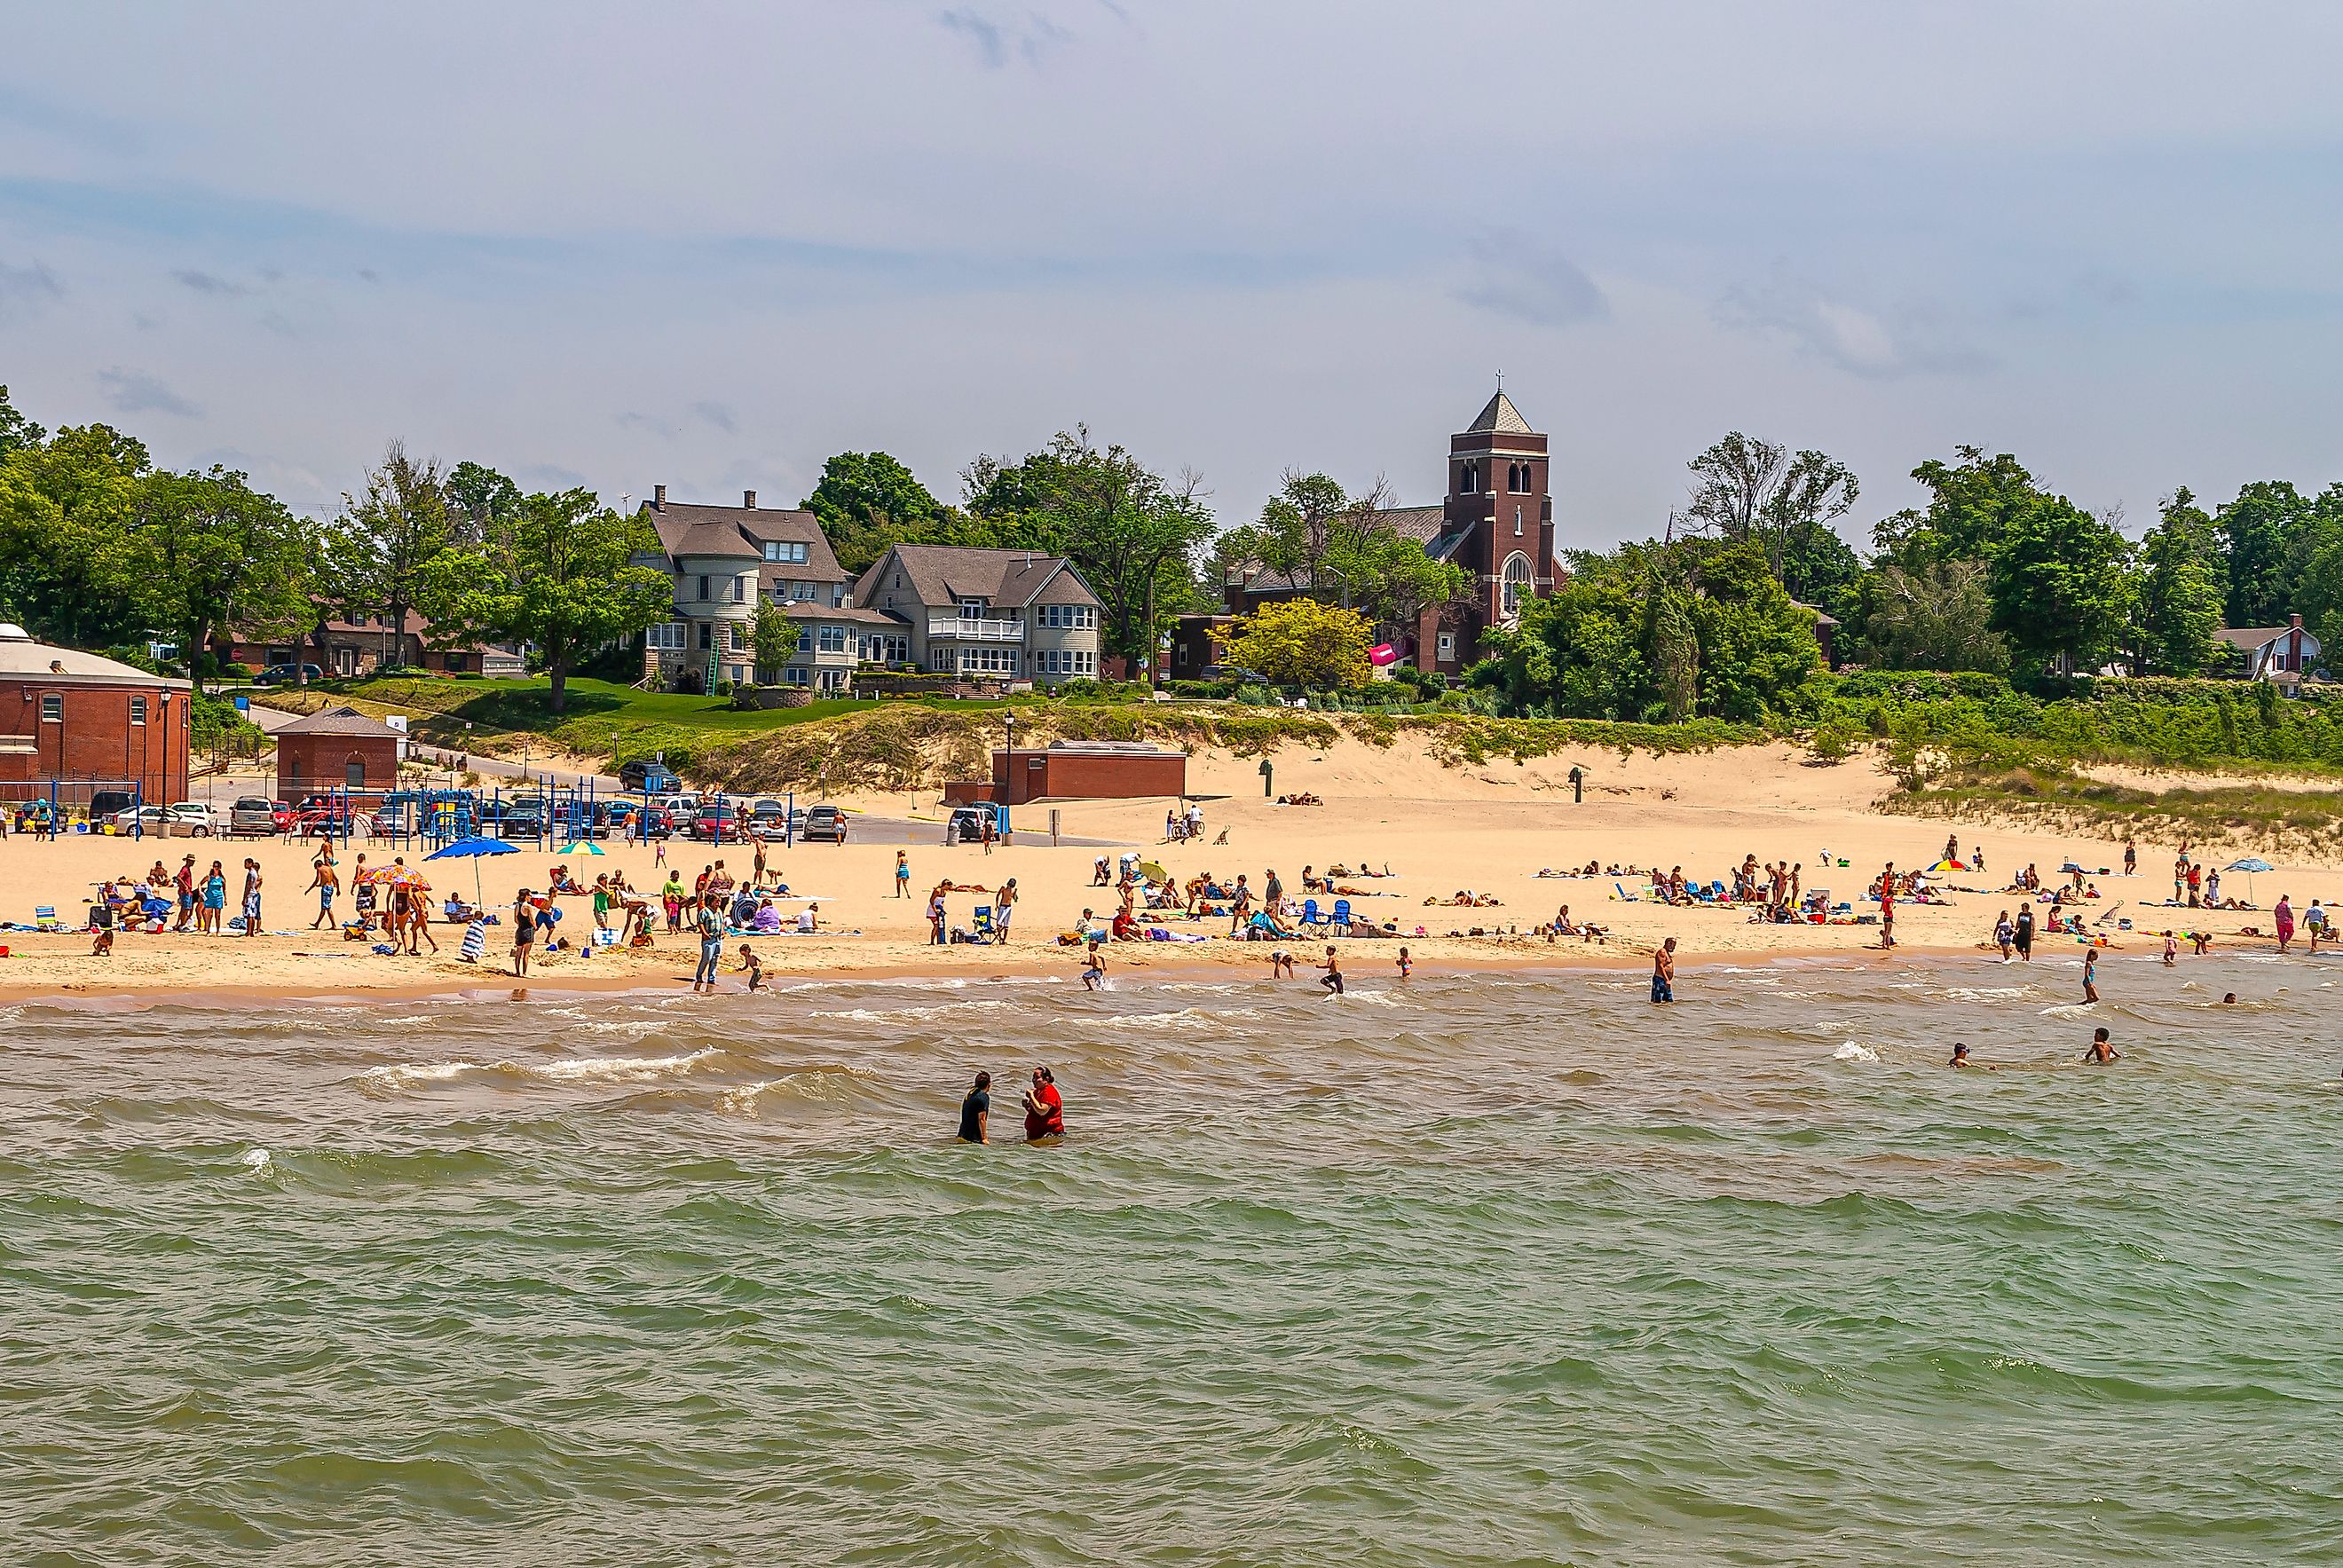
<point x="336" y="749"/>
<point x="75" y="719"/>
<point x="1087" y="770"/>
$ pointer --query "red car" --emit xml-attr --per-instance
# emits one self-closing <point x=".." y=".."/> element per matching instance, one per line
<point x="280" y="813"/>
<point x="720" y="823"/>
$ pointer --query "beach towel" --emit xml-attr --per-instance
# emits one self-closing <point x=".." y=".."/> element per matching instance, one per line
<point x="476" y="942"/>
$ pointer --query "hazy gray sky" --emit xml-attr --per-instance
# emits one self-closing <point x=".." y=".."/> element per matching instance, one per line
<point x="708" y="244"/>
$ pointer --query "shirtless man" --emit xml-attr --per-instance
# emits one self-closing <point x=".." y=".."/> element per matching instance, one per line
<point x="1663" y="972"/>
<point x="1333" y="979"/>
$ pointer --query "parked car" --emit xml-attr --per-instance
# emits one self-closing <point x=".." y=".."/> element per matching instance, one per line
<point x="648" y="777"/>
<point x="966" y="824"/>
<point x="155" y="820"/>
<point x="282" y="675"/>
<point x="328" y="813"/>
<point x="195" y="819"/>
<point x="106" y="803"/>
<point x="522" y="820"/>
<point x="252" y="815"/>
<point x="770" y="819"/>
<point x="825" y="822"/>
<point x="720" y="821"/>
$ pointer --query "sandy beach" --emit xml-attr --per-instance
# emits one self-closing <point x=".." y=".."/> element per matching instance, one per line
<point x="1487" y="828"/>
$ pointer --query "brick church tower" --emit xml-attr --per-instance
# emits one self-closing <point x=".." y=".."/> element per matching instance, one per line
<point x="1497" y="523"/>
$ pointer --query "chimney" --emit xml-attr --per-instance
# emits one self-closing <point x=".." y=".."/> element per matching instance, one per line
<point x="749" y="499"/>
<point x="659" y="497"/>
<point x="2297" y="622"/>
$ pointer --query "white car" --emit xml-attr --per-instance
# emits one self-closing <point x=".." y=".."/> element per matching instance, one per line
<point x="155" y="820"/>
<point x="196" y="818"/>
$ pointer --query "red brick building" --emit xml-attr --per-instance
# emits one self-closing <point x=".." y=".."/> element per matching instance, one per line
<point x="69" y="717"/>
<point x="1087" y="770"/>
<point x="336" y="749"/>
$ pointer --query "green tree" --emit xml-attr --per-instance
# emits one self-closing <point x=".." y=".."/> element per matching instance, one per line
<point x="2271" y="533"/>
<point x="387" y="539"/>
<point x="67" y="568"/>
<point x="1935" y="615"/>
<point x="1134" y="536"/>
<point x="1971" y="507"/>
<point x="866" y="501"/>
<point x="1754" y="643"/>
<point x="2061" y="591"/>
<point x="1748" y="491"/>
<point x="1819" y="568"/>
<point x="212" y="553"/>
<point x="2318" y="597"/>
<point x="16" y="432"/>
<point x="1582" y="653"/>
<point x="1302" y="642"/>
<point x="1343" y="549"/>
<point x="558" y="575"/>
<point x="479" y="500"/>
<point x="774" y="636"/>
<point x="2181" y="589"/>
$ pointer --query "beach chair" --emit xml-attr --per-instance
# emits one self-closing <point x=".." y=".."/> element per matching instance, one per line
<point x="1309" y="912"/>
<point x="1343" y="916"/>
<point x="45" y="919"/>
<point x="1716" y="892"/>
<point x="980" y="924"/>
<point x="1619" y="891"/>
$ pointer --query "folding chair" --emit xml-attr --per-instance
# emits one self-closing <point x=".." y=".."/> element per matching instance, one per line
<point x="1309" y="912"/>
<point x="45" y="919"/>
<point x="1343" y="916"/>
<point x="983" y="924"/>
<point x="1619" y="891"/>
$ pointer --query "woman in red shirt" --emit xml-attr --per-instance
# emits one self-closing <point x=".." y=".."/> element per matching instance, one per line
<point x="1045" y="1113"/>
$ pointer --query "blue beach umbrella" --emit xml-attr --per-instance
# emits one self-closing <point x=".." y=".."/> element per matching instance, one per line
<point x="471" y="850"/>
<point x="2250" y="865"/>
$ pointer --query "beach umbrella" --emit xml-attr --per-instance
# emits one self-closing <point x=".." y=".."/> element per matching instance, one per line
<point x="582" y="847"/>
<point x="472" y="849"/>
<point x="1947" y="864"/>
<point x="2250" y="865"/>
<point x="1151" y="871"/>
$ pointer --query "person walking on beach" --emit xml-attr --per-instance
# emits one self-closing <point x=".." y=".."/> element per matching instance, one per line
<point x="252" y="898"/>
<point x="2131" y="859"/>
<point x="2102" y="1052"/>
<point x="2022" y="934"/>
<point x="902" y="874"/>
<point x="936" y="916"/>
<point x="1239" y="905"/>
<point x="757" y="867"/>
<point x="1887" y="906"/>
<point x="2282" y="917"/>
<point x="2003" y="933"/>
<point x="976" y="1109"/>
<point x="1045" y="1108"/>
<point x="753" y="967"/>
<point x="184" y="883"/>
<point x="324" y="882"/>
<point x="2090" y="976"/>
<point x="1663" y="972"/>
<point x="1004" y="904"/>
<point x="524" y="919"/>
<point x="710" y="923"/>
<point x="671" y="901"/>
<point x="1333" y="979"/>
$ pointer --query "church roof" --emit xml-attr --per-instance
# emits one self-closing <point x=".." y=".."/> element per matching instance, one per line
<point x="1501" y="417"/>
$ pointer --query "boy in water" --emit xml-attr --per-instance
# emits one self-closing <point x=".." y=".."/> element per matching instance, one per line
<point x="1093" y="968"/>
<point x="1961" y="1058"/>
<point x="1333" y="979"/>
<point x="1663" y="972"/>
<point x="2101" y="1052"/>
<point x="753" y="967"/>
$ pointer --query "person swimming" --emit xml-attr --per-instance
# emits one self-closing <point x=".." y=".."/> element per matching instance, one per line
<point x="2102" y="1052"/>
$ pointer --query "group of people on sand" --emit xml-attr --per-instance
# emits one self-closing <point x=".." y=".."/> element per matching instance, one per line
<point x="1045" y="1110"/>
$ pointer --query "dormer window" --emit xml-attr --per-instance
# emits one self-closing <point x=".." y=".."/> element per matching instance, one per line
<point x="971" y="609"/>
<point x="790" y="552"/>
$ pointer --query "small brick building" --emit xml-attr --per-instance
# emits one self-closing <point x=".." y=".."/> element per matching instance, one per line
<point x="336" y="749"/>
<point x="70" y="718"/>
<point x="1087" y="770"/>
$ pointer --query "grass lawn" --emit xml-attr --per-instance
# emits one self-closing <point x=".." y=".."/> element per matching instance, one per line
<point x="527" y="704"/>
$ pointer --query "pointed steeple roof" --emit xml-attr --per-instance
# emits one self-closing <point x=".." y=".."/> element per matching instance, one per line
<point x="1500" y="416"/>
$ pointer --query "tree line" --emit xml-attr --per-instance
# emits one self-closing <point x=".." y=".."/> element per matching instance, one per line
<point x="1995" y="574"/>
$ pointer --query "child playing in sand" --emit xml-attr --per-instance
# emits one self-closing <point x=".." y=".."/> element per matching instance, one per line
<point x="101" y="942"/>
<point x="1281" y="965"/>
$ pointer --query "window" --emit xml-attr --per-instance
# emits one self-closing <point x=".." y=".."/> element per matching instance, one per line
<point x="1069" y="616"/>
<point x="1447" y="644"/>
<point x="1468" y="478"/>
<point x="737" y="636"/>
<point x="1180" y="656"/>
<point x="805" y="639"/>
<point x="989" y="660"/>
<point x="837" y="595"/>
<point x="794" y="675"/>
<point x="703" y="588"/>
<point x="668" y="635"/>
<point x="53" y="709"/>
<point x="740" y="589"/>
<point x="784" y="550"/>
<point x="830" y="638"/>
<point x="707" y="636"/>
<point x="1517" y="522"/>
<point x="803" y="593"/>
<point x="971" y="609"/>
<point x="137" y="710"/>
<point x="1517" y="479"/>
<point x="455" y="663"/>
<point x="1516" y="584"/>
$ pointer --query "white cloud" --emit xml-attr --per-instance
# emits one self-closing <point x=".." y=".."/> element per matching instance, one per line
<point x="136" y="392"/>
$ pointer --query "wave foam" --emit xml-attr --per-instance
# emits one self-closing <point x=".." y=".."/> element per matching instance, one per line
<point x="1855" y="1052"/>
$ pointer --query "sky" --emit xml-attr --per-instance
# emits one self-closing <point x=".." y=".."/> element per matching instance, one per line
<point x="708" y="244"/>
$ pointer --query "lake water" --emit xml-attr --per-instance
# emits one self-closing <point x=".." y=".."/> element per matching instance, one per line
<point x="1468" y="1271"/>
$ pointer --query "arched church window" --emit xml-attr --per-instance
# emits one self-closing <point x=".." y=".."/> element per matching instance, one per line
<point x="1467" y="479"/>
<point x="1516" y="581"/>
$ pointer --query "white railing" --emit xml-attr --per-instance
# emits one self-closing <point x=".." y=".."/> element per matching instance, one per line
<point x="976" y="630"/>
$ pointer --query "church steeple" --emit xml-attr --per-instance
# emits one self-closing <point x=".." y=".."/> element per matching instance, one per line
<point x="1500" y="417"/>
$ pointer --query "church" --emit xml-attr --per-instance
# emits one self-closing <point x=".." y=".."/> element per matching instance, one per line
<point x="1496" y="522"/>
